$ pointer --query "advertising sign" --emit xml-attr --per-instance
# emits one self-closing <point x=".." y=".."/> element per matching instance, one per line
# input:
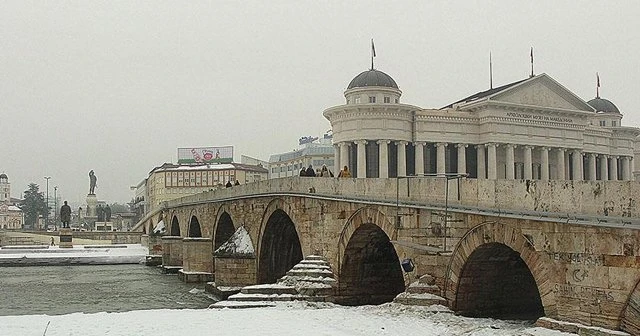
<point x="205" y="155"/>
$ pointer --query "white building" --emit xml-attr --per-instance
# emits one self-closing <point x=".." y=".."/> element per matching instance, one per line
<point x="312" y="151"/>
<point x="534" y="128"/>
<point x="11" y="216"/>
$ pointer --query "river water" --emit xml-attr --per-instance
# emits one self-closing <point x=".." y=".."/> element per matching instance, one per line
<point x="55" y="290"/>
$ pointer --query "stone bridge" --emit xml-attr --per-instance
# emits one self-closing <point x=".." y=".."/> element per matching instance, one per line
<point x="567" y="250"/>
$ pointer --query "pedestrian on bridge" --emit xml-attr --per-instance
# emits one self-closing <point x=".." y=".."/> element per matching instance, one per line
<point x="303" y="172"/>
<point x="344" y="172"/>
<point x="310" y="171"/>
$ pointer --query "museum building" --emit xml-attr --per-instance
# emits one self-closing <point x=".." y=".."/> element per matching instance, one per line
<point x="533" y="128"/>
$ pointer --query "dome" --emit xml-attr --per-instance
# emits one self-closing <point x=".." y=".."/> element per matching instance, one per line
<point x="603" y="105"/>
<point x="372" y="77"/>
<point x="4" y="176"/>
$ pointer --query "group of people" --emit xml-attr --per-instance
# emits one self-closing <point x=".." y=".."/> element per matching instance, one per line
<point x="324" y="172"/>
<point x="229" y="185"/>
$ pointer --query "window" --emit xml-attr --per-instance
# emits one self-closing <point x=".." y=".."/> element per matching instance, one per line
<point x="372" y="99"/>
<point x="396" y="100"/>
<point x="614" y="123"/>
<point x="603" y="123"/>
<point x="387" y="100"/>
<point x="357" y="100"/>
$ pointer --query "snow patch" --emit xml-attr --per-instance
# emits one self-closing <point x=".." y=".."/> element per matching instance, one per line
<point x="239" y="244"/>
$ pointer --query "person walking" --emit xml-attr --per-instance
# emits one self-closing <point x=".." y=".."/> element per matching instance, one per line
<point x="345" y="172"/>
<point x="303" y="172"/>
<point x="325" y="172"/>
<point x="310" y="171"/>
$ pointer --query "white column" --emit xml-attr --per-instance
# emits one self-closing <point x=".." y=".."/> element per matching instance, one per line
<point x="440" y="158"/>
<point x="492" y="162"/>
<point x="544" y="163"/>
<point x="344" y="155"/>
<point x="632" y="168"/>
<point x="592" y="166"/>
<point x="613" y="170"/>
<point x="402" y="158"/>
<point x="576" y="159"/>
<point x="510" y="162"/>
<point x="462" y="158"/>
<point x="482" y="174"/>
<point x="336" y="159"/>
<point x="383" y="158"/>
<point x="604" y="167"/>
<point x="561" y="167"/>
<point x="362" y="158"/>
<point x="419" y="151"/>
<point x="528" y="169"/>
<point x="624" y="161"/>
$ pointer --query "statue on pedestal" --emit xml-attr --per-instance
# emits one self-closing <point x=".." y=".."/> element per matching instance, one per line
<point x="92" y="182"/>
<point x="65" y="215"/>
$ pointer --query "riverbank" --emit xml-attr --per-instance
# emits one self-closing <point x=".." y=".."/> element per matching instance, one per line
<point x="45" y="255"/>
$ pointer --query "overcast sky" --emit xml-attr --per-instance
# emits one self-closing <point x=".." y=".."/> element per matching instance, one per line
<point x="118" y="86"/>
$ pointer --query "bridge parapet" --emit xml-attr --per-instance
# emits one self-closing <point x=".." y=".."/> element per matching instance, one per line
<point x="594" y="198"/>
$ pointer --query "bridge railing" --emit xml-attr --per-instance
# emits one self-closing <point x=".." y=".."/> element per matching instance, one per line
<point x="587" y="198"/>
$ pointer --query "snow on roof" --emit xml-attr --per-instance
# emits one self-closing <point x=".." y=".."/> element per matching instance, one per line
<point x="238" y="245"/>
<point x="14" y="208"/>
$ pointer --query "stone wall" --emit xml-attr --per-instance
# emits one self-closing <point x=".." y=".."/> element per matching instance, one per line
<point x="171" y="251"/>
<point x="235" y="272"/>
<point x="197" y="255"/>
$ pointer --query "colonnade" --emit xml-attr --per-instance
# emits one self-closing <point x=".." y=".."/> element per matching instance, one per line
<point x="493" y="161"/>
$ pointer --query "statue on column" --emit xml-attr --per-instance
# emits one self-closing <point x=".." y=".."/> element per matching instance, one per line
<point x="92" y="182"/>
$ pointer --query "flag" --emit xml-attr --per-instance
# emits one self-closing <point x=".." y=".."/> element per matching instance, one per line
<point x="373" y="49"/>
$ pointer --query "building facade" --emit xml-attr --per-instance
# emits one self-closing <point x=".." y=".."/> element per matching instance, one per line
<point x="534" y="128"/>
<point x="312" y="151"/>
<point x="171" y="181"/>
<point x="11" y="216"/>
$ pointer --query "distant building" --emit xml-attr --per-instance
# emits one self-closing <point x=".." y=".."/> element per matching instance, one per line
<point x="312" y="151"/>
<point x="171" y="181"/>
<point x="11" y="216"/>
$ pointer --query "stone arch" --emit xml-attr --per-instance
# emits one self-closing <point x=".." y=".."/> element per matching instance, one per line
<point x="495" y="245"/>
<point x="174" y="228"/>
<point x="630" y="321"/>
<point x="195" y="230"/>
<point x="224" y="227"/>
<point x="370" y="270"/>
<point x="279" y="247"/>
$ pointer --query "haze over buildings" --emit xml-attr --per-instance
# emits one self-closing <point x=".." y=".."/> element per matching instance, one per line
<point x="117" y="87"/>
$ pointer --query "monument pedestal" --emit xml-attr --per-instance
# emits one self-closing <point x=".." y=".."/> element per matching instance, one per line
<point x="66" y="238"/>
<point x="104" y="226"/>
<point x="92" y="203"/>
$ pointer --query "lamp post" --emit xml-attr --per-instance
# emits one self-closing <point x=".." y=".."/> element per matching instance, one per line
<point x="55" y="207"/>
<point x="46" y="216"/>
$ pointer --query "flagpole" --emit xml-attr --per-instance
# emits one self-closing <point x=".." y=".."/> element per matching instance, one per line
<point x="597" y="85"/>
<point x="490" y="72"/>
<point x="531" y="62"/>
<point x="373" y="53"/>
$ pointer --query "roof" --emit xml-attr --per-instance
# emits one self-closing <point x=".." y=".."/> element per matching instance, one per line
<point x="4" y="176"/>
<point x="483" y="94"/>
<point x="603" y="105"/>
<point x="220" y="166"/>
<point x="372" y="77"/>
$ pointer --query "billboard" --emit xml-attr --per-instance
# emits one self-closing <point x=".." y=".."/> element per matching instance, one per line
<point x="205" y="155"/>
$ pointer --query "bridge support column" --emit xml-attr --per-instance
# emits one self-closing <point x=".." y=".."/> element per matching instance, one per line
<point x="197" y="260"/>
<point x="528" y="168"/>
<point x="492" y="162"/>
<point x="440" y="157"/>
<point x="419" y="158"/>
<point x="613" y="171"/>
<point x="383" y="160"/>
<point x="592" y="166"/>
<point x="344" y="156"/>
<point x="402" y="158"/>
<point x="510" y="164"/>
<point x="235" y="272"/>
<point x="560" y="164"/>
<point x="362" y="158"/>
<point x="481" y="162"/>
<point x="462" y="158"/>
<point x="544" y="163"/>
<point x="604" y="167"/>
<point x="171" y="254"/>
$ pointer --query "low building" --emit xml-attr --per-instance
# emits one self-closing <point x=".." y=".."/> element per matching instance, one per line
<point x="171" y="181"/>
<point x="312" y="151"/>
<point x="11" y="216"/>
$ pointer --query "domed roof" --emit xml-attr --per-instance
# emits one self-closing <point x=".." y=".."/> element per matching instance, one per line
<point x="4" y="176"/>
<point x="372" y="77"/>
<point x="603" y="105"/>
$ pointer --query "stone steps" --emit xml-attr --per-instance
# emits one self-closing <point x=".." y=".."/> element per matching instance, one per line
<point x="269" y="289"/>
<point x="423" y="292"/>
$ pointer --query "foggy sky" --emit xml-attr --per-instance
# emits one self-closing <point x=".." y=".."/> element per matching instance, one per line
<point x="117" y="86"/>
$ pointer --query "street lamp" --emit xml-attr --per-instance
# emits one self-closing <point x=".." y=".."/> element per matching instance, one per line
<point x="55" y="207"/>
<point x="46" y="215"/>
